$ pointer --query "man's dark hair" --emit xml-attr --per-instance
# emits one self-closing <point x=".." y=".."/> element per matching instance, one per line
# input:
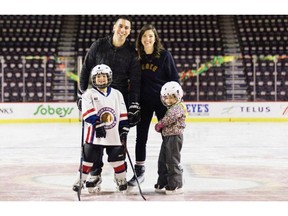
<point x="125" y="17"/>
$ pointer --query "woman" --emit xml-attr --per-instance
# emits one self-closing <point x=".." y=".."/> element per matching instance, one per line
<point x="157" y="68"/>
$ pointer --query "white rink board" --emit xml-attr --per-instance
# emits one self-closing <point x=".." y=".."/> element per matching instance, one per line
<point x="197" y="112"/>
<point x="229" y="111"/>
<point x="29" y="112"/>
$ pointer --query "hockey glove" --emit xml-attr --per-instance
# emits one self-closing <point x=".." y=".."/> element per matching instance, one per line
<point x="159" y="126"/>
<point x="123" y="135"/>
<point x="100" y="131"/>
<point x="134" y="114"/>
<point x="79" y="100"/>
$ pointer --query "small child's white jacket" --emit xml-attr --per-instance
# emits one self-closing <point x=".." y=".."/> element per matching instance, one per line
<point x="110" y="109"/>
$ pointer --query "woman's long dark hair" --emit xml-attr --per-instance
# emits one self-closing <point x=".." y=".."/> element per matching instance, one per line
<point x="158" y="47"/>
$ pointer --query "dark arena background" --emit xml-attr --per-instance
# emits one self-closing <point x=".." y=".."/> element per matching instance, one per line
<point x="236" y="57"/>
<point x="234" y="73"/>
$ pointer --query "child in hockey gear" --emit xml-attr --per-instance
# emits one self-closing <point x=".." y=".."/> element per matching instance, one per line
<point x="157" y="68"/>
<point x="106" y="125"/>
<point x="171" y="126"/>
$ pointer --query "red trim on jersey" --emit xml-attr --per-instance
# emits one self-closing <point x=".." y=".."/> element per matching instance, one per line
<point x="88" y="112"/>
<point x="123" y="115"/>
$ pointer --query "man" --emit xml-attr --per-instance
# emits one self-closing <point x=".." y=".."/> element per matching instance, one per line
<point x="120" y="55"/>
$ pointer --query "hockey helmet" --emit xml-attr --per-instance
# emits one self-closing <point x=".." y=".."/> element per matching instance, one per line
<point x="101" y="69"/>
<point x="171" y="88"/>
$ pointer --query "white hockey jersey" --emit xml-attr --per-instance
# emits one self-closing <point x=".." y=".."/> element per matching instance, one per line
<point x="110" y="109"/>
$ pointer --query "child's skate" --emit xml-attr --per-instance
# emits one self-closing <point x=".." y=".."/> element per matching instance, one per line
<point x="93" y="184"/>
<point x="77" y="186"/>
<point x="121" y="184"/>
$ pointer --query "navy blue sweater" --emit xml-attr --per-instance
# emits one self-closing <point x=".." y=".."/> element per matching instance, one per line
<point x="155" y="73"/>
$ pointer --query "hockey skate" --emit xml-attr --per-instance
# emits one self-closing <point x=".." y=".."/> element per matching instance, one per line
<point x="159" y="189"/>
<point x="139" y="170"/>
<point x="172" y="191"/>
<point x="121" y="184"/>
<point x="76" y="186"/>
<point x="94" y="184"/>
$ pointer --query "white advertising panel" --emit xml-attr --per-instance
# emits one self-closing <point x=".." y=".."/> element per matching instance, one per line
<point x="35" y="112"/>
<point x="237" y="111"/>
<point x="196" y="112"/>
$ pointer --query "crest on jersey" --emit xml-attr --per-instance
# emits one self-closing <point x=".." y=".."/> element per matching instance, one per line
<point x="108" y="116"/>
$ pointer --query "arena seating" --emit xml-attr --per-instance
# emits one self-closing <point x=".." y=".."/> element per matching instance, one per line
<point x="24" y="39"/>
<point x="184" y="36"/>
<point x="260" y="36"/>
<point x="187" y="37"/>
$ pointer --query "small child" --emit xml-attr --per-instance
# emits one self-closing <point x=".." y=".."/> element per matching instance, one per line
<point x="171" y="126"/>
<point x="106" y="127"/>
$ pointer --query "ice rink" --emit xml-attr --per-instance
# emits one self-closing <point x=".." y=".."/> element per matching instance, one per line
<point x="221" y="161"/>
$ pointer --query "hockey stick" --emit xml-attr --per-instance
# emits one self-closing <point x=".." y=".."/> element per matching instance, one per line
<point x="81" y="163"/>
<point x="131" y="164"/>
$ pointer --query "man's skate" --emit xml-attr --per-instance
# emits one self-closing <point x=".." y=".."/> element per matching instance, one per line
<point x="94" y="183"/>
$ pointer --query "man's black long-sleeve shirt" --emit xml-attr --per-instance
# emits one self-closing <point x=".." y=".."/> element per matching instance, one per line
<point x="126" y="71"/>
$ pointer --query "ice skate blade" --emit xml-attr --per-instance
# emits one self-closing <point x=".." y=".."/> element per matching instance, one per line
<point x="94" y="190"/>
<point x="160" y="191"/>
<point x="131" y="190"/>
<point x="122" y="192"/>
<point x="174" y="192"/>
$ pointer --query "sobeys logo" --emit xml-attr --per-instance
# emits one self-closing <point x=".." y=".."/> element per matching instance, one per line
<point x="60" y="111"/>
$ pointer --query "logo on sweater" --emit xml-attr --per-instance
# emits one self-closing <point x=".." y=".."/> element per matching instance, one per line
<point x="108" y="116"/>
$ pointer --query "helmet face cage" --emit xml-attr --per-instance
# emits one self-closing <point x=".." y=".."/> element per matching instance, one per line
<point x="171" y="89"/>
<point x="101" y="69"/>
